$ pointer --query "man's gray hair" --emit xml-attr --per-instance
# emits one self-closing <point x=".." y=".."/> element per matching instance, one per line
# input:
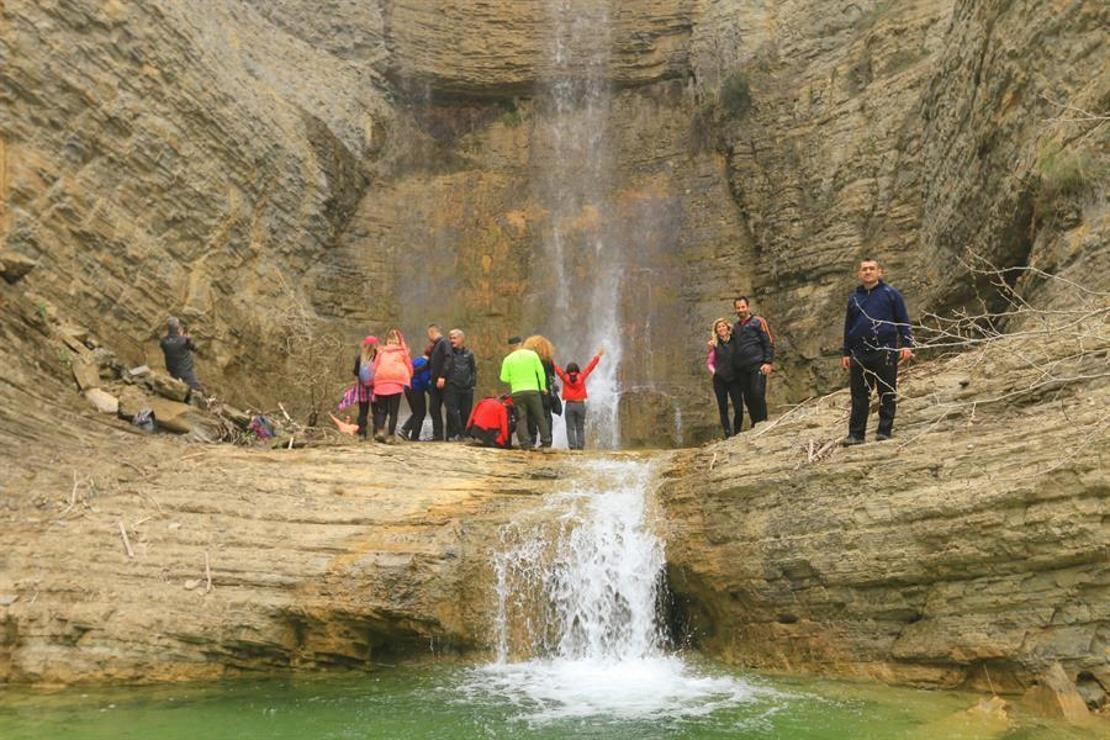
<point x="173" y="324"/>
<point x="457" y="332"/>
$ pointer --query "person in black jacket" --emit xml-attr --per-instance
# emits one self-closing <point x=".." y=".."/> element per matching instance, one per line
<point x="462" y="376"/>
<point x="438" y="355"/>
<point x="720" y="363"/>
<point x="877" y="339"/>
<point x="177" y="349"/>
<point x="755" y="351"/>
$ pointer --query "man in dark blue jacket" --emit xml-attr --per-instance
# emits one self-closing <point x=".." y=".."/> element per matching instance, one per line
<point x="877" y="338"/>
<point x="752" y="358"/>
<point x="417" y="396"/>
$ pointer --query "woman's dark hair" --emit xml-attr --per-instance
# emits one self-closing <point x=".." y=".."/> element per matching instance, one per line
<point x="573" y="368"/>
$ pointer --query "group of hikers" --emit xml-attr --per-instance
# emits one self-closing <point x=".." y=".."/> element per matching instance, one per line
<point x="877" y="339"/>
<point x="440" y="381"/>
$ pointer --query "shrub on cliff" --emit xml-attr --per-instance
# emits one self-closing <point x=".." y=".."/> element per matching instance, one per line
<point x="1063" y="174"/>
<point x="735" y="96"/>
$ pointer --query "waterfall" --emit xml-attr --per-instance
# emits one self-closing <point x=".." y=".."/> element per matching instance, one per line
<point x="582" y="581"/>
<point x="578" y="276"/>
<point x="577" y="624"/>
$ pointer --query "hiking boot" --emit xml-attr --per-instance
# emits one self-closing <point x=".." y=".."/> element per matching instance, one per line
<point x="851" y="441"/>
<point x="880" y="437"/>
<point x="379" y="436"/>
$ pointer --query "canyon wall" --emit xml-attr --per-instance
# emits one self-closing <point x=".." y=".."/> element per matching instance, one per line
<point x="970" y="551"/>
<point x="365" y="164"/>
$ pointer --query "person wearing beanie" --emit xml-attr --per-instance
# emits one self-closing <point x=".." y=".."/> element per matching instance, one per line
<point x="177" y="349"/>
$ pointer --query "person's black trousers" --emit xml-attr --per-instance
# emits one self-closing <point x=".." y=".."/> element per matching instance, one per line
<point x="724" y="390"/>
<point x="459" y="401"/>
<point x="873" y="371"/>
<point x="529" y="406"/>
<point x="386" y="406"/>
<point x="435" y="406"/>
<point x="418" y="405"/>
<point x="363" y="415"/>
<point x="753" y="387"/>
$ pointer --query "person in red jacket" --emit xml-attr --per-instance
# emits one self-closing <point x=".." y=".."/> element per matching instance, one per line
<point x="574" y="400"/>
<point x="491" y="421"/>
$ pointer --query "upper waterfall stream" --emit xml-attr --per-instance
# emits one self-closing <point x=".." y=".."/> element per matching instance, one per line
<point x="578" y="623"/>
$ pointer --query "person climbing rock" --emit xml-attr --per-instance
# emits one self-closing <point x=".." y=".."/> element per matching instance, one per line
<point x="364" y="380"/>
<point x="392" y="376"/>
<point x="462" y="376"/>
<point x="417" y="397"/>
<point x="524" y="373"/>
<point x="752" y="358"/>
<point x="438" y="355"/>
<point x="719" y="360"/>
<point x="574" y="397"/>
<point x="877" y="339"/>
<point x="177" y="349"/>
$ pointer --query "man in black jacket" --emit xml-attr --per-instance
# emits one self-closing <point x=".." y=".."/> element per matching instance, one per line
<point x="462" y="376"/>
<point x="438" y="358"/>
<point x="752" y="358"/>
<point x="877" y="339"/>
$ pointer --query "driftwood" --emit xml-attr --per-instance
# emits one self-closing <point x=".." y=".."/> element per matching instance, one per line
<point x="72" y="497"/>
<point x="126" y="541"/>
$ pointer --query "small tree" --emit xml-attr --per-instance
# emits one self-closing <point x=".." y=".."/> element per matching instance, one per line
<point x="314" y="358"/>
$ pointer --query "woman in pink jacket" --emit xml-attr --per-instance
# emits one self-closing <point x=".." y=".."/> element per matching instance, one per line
<point x="392" y="375"/>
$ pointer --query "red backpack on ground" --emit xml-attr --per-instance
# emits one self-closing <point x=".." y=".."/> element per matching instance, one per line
<point x="490" y="422"/>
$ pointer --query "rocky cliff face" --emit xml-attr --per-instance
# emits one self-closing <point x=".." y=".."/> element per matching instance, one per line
<point x="371" y="163"/>
<point x="140" y="560"/>
<point x="970" y="551"/>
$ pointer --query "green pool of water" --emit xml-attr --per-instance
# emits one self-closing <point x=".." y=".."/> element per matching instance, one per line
<point x="448" y="700"/>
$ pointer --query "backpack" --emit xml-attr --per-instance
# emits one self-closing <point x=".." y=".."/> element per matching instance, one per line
<point x="365" y="373"/>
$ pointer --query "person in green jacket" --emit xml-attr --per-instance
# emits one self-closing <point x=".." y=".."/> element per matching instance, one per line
<point x="524" y="373"/>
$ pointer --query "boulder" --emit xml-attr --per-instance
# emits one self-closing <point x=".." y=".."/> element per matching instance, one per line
<point x="1055" y="695"/>
<point x="86" y="373"/>
<point x="167" y="387"/>
<point x="14" y="266"/>
<point x="105" y="402"/>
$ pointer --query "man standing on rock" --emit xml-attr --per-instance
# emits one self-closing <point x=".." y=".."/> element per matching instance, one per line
<point x="877" y="339"/>
<point x="439" y="355"/>
<point x="462" y="376"/>
<point x="523" y="370"/>
<point x="178" y="348"/>
<point x="752" y="358"/>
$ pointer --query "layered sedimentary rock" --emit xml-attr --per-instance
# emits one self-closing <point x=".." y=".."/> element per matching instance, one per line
<point x="158" y="158"/>
<point x="969" y="551"/>
<point x="369" y="163"/>
<point x="144" y="558"/>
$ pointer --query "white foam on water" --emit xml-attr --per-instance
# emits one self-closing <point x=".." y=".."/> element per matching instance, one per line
<point x="577" y="626"/>
<point x="657" y="687"/>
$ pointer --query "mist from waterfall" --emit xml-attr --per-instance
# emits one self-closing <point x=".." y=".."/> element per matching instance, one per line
<point x="578" y="274"/>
